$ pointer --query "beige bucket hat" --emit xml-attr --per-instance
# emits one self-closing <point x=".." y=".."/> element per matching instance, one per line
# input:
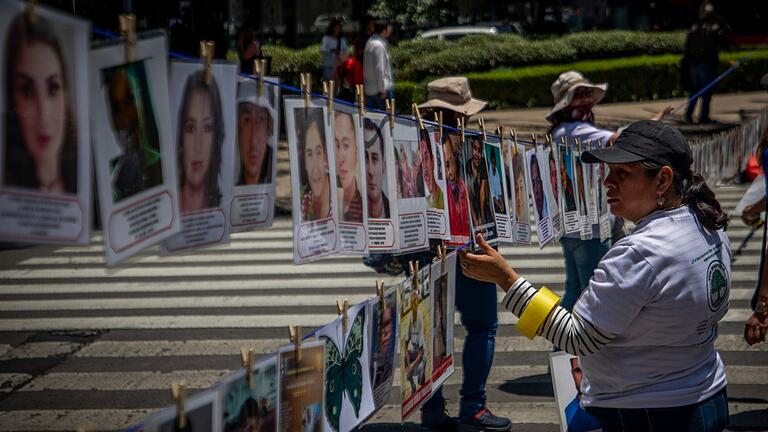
<point x="565" y="86"/>
<point x="453" y="93"/>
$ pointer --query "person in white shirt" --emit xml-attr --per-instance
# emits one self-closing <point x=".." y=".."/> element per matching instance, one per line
<point x="572" y="118"/>
<point x="645" y="327"/>
<point x="377" y="68"/>
<point x="331" y="46"/>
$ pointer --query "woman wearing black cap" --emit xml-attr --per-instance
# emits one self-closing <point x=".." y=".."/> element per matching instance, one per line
<point x="646" y="325"/>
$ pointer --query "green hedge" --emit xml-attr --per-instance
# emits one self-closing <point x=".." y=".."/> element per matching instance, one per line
<point x="630" y="79"/>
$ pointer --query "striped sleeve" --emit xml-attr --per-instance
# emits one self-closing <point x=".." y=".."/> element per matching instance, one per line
<point x="566" y="330"/>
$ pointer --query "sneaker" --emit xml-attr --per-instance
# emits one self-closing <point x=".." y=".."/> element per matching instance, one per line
<point x="484" y="420"/>
<point x="444" y="424"/>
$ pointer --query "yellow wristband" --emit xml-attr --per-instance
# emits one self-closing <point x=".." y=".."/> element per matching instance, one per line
<point x="537" y="311"/>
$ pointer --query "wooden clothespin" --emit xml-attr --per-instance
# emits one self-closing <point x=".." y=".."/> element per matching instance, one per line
<point x="439" y="121"/>
<point x="246" y="358"/>
<point x="549" y="142"/>
<point x="565" y="141"/>
<point x="360" y="99"/>
<point x="500" y="133"/>
<point x="441" y="255"/>
<point x="328" y="91"/>
<point x="414" y="266"/>
<point x="260" y="69"/>
<point x="341" y="308"/>
<point x="295" y="337"/>
<point x="391" y="110"/>
<point x="578" y="145"/>
<point x="460" y="123"/>
<point x="417" y="114"/>
<point x="481" y="122"/>
<point x="128" y="31"/>
<point x="206" y="54"/>
<point x="306" y="87"/>
<point x="31" y="12"/>
<point x="513" y="135"/>
<point x="380" y="291"/>
<point x="179" y="397"/>
<point x="533" y="139"/>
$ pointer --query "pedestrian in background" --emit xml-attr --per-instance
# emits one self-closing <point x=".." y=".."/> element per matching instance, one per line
<point x="248" y="49"/>
<point x="331" y="46"/>
<point x="377" y="67"/>
<point x="349" y="74"/>
<point x="702" y="55"/>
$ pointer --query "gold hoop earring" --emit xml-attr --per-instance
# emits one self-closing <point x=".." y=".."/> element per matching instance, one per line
<point x="660" y="201"/>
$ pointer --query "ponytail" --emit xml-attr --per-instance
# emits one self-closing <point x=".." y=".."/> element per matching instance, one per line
<point x="700" y="198"/>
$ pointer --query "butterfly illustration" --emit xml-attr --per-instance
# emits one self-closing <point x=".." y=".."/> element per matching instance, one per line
<point x="344" y="373"/>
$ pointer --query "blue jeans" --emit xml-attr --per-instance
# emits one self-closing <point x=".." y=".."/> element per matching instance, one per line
<point x="710" y="415"/>
<point x="702" y="73"/>
<point x="476" y="302"/>
<point x="581" y="259"/>
<point x="376" y="102"/>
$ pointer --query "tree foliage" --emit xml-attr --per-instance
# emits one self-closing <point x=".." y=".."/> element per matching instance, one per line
<point x="411" y="13"/>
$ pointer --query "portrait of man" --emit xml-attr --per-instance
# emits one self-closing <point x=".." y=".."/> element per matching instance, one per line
<point x="539" y="200"/>
<point x="415" y="362"/>
<point x="553" y="177"/>
<point x="577" y="418"/>
<point x="383" y="345"/>
<point x="132" y="118"/>
<point x="567" y="180"/>
<point x="477" y="179"/>
<point x="255" y="133"/>
<point x="580" y="187"/>
<point x="435" y="195"/>
<point x="375" y="171"/>
<point x="348" y="167"/>
<point x="494" y="179"/>
<point x="522" y="206"/>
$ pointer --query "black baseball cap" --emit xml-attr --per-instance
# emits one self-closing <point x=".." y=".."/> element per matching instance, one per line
<point x="646" y="140"/>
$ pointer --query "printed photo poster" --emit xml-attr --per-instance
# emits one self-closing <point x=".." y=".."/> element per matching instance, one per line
<point x="201" y="410"/>
<point x="348" y="395"/>
<point x="497" y="183"/>
<point x="254" y="409"/>
<point x="443" y="279"/>
<point x="204" y="121"/>
<point x="415" y="340"/>
<point x="383" y="345"/>
<point x="135" y="154"/>
<point x="589" y="177"/>
<point x="349" y="150"/>
<point x="313" y="180"/>
<point x="258" y="127"/>
<point x="412" y="198"/>
<point x="536" y="185"/>
<point x="568" y="205"/>
<point x="45" y="158"/>
<point x="478" y="189"/>
<point x="583" y="197"/>
<point x="602" y="201"/>
<point x="381" y="184"/>
<point x="520" y="212"/>
<point x="457" y="191"/>
<point x="433" y="168"/>
<point x="301" y="389"/>
<point x="549" y="167"/>
<point x="566" y="382"/>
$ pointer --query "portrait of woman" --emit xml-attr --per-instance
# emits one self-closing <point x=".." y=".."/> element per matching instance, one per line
<point x="458" y="207"/>
<point x="566" y="178"/>
<point x="348" y="167"/>
<point x="200" y="136"/>
<point x="313" y="164"/>
<point x="521" y="194"/>
<point x="40" y="128"/>
<point x="537" y="186"/>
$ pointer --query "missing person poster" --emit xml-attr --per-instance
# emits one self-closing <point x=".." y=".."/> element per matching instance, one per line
<point x="45" y="162"/>
<point x="383" y="345"/>
<point x="458" y="195"/>
<point x="348" y="395"/>
<point x="583" y="196"/>
<point x="602" y="201"/>
<point x="443" y="277"/>
<point x="313" y="180"/>
<point x="433" y="168"/>
<point x="415" y="340"/>
<point x="568" y="206"/>
<point x="566" y="382"/>
<point x="381" y="184"/>
<point x="520" y="212"/>
<point x="201" y="412"/>
<point x="478" y="189"/>
<point x="349" y="152"/>
<point x="497" y="184"/>
<point x="301" y="387"/>
<point x="203" y="109"/>
<point x="541" y="212"/>
<point x="135" y="155"/>
<point x="549" y="167"/>
<point x="250" y="405"/>
<point x="258" y="127"/>
<point x="412" y="201"/>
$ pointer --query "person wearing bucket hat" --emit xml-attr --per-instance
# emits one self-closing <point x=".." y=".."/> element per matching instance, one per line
<point x="255" y="130"/>
<point x="645" y="327"/>
<point x="572" y="118"/>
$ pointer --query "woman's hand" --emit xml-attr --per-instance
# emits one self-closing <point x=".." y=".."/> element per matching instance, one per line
<point x="755" y="328"/>
<point x="751" y="214"/>
<point x="488" y="266"/>
<point x="659" y="116"/>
